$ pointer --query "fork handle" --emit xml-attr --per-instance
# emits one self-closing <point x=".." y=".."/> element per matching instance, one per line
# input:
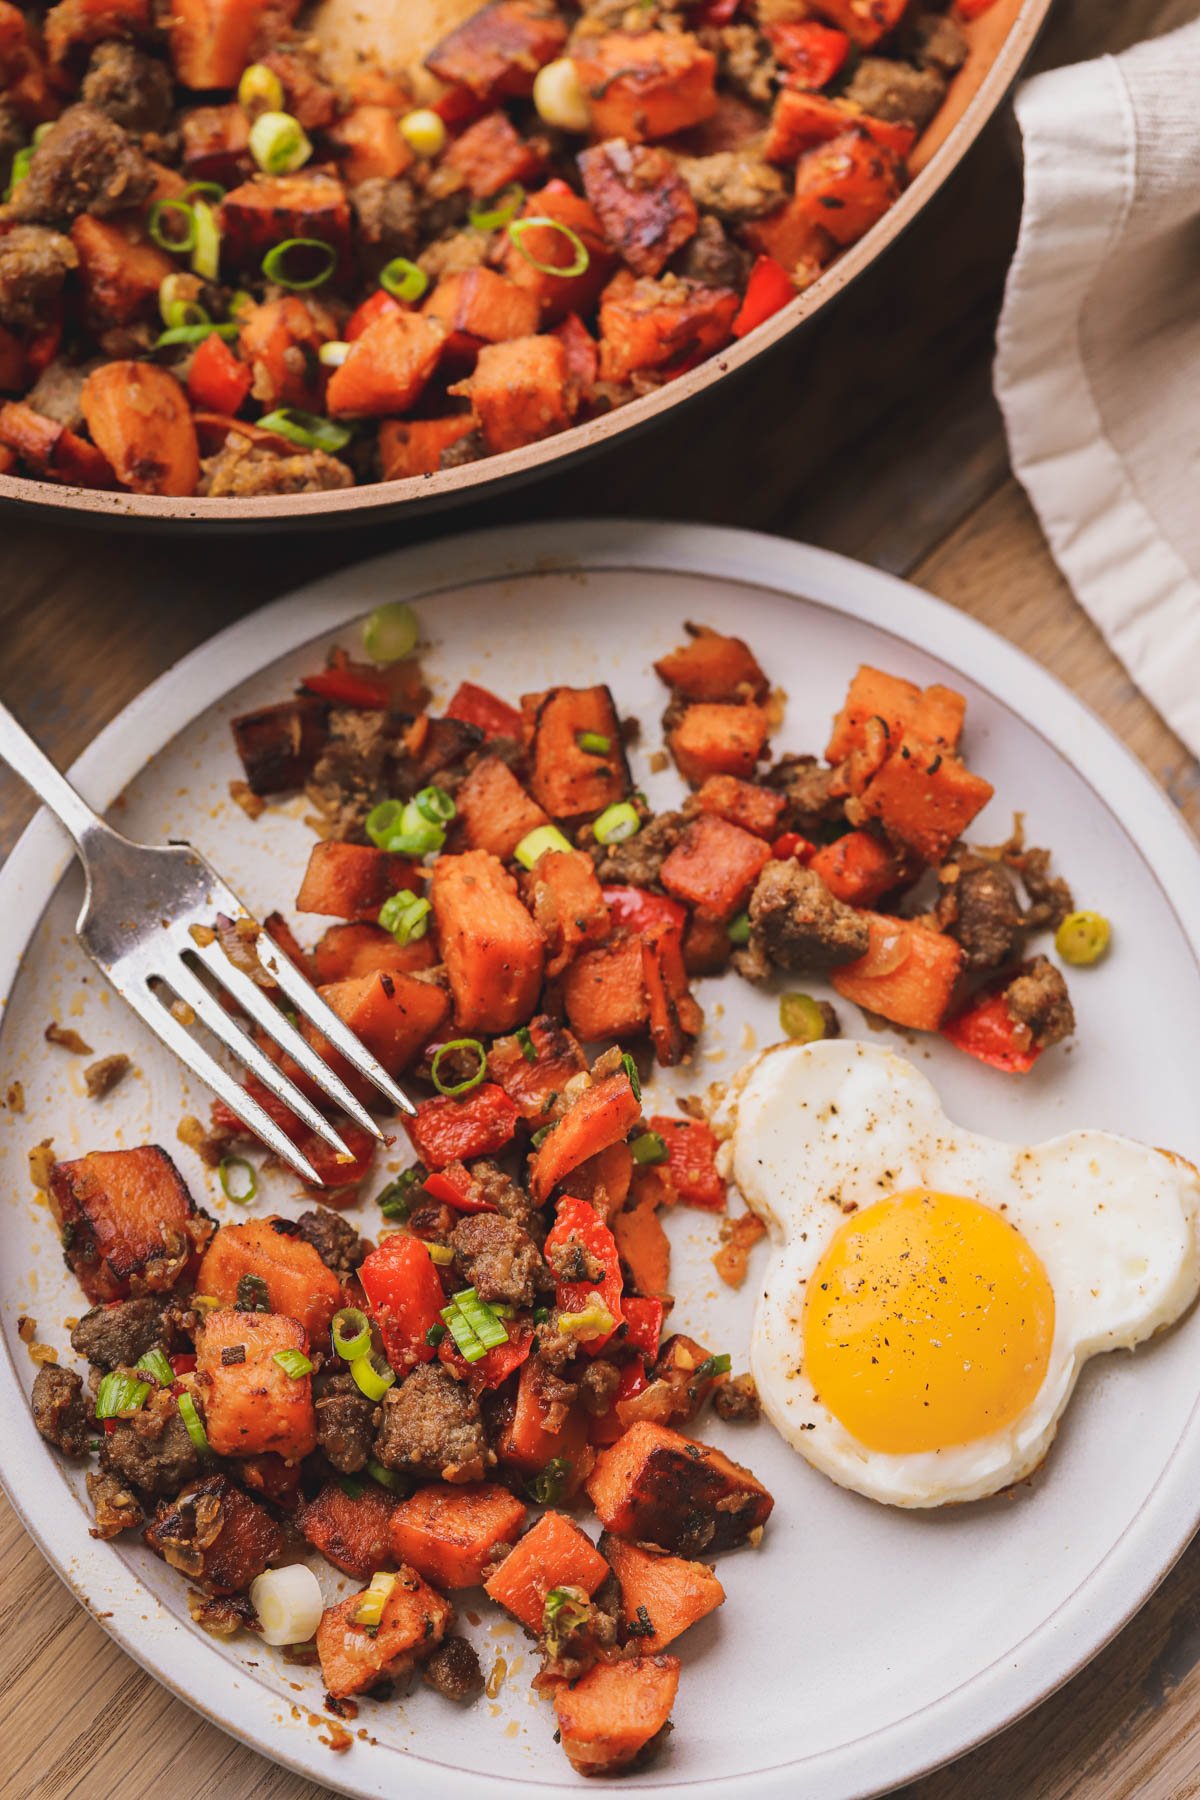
<point x="34" y="767"/>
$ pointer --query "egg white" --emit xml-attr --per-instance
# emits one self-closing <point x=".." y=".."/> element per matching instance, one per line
<point x="819" y="1131"/>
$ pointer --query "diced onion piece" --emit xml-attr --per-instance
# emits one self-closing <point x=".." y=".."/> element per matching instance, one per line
<point x="559" y="96"/>
<point x="423" y="131"/>
<point x="536" y="843"/>
<point x="288" y="1603"/>
<point x="333" y="354"/>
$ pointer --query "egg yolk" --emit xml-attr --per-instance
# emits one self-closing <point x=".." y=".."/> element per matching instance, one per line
<point x="928" y="1322"/>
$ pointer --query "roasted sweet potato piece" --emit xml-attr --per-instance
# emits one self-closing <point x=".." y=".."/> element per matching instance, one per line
<point x="713" y="667"/>
<point x="280" y="340"/>
<point x="279" y="745"/>
<point x="848" y="183"/>
<point x="566" y="779"/>
<point x="657" y="1487"/>
<point x="495" y="809"/>
<point x="49" y="449"/>
<point x="863" y="21"/>
<point x="451" y="1535"/>
<point x="676" y="1391"/>
<point x="270" y="208"/>
<point x="713" y="739"/>
<point x="127" y="1220"/>
<point x="491" y="154"/>
<point x="139" y="419"/>
<point x="800" y="121"/>
<point x="211" y="40"/>
<point x="216" y="144"/>
<point x="534" y="1068"/>
<point x="482" y="305"/>
<point x="793" y="237"/>
<point x="642" y="201"/>
<point x="23" y="75"/>
<point x="648" y="324"/>
<point x="714" y="866"/>
<point x="73" y="26"/>
<point x="646" y="85"/>
<point x="751" y="808"/>
<point x="707" y="946"/>
<point x="416" y="446"/>
<point x="368" y="145"/>
<point x="553" y="1553"/>
<point x="347" y="952"/>
<point x="352" y="881"/>
<point x="908" y="975"/>
<point x="934" y="714"/>
<point x="675" y="1019"/>
<point x="519" y="391"/>
<point x="353" y="1658"/>
<point x="569" y="910"/>
<point x="216" y="1535"/>
<point x="527" y="1440"/>
<point x="664" y="1593"/>
<point x="121" y="275"/>
<point x="394" y="1015"/>
<point x="269" y="1252"/>
<point x="613" y="1713"/>
<point x="860" y="868"/>
<point x="252" y="1407"/>
<point x="558" y="295"/>
<point x="604" y="991"/>
<point x="387" y="367"/>
<point x="644" y="1247"/>
<point x="602" y="1115"/>
<point x="604" y="1180"/>
<point x="491" y="947"/>
<point x="497" y="51"/>
<point x="923" y="799"/>
<point x="350" y="1531"/>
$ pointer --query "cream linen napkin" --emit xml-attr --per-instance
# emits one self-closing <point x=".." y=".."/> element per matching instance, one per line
<point x="1098" y="356"/>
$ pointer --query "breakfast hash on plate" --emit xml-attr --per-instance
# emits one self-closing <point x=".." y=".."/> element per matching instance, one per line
<point x="223" y="272"/>
<point x="514" y="931"/>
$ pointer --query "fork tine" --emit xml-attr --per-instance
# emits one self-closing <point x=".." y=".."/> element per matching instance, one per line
<point x="310" y="1003"/>
<point x="195" y="1057"/>
<point x="239" y="1043"/>
<point x="251" y="999"/>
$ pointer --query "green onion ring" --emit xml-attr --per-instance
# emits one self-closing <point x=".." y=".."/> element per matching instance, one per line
<point x="386" y="1478"/>
<point x="305" y="429"/>
<point x="206" y="256"/>
<point x="119" y="1394"/>
<point x="192" y="334"/>
<point x="525" y="1040"/>
<point x="351" y="1333"/>
<point x="472" y="1081"/>
<point x="372" y="1376"/>
<point x="402" y="279"/>
<point x="177" y="246"/>
<point x="650" y="1148"/>
<point x="204" y="190"/>
<point x="635" y="1082"/>
<point x="579" y="264"/>
<point x="503" y="210"/>
<point x="155" y="1363"/>
<point x="195" y="1425"/>
<point x="245" y="1193"/>
<point x="275" y="259"/>
<point x="436" y="805"/>
<point x="390" y="633"/>
<point x="294" y="1363"/>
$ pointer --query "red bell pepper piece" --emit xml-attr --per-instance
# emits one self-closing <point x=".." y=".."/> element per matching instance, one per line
<point x="374" y="307"/>
<point x="972" y="9"/>
<point x="576" y="1219"/>
<point x="217" y="380"/>
<point x="182" y="1364"/>
<point x="988" y="1032"/>
<point x="769" y="288"/>
<point x="477" y="706"/>
<point x="713" y="12"/>
<point x="640" y="910"/>
<point x="692" y="1161"/>
<point x="607" y="1428"/>
<point x="496" y="1366"/>
<point x="459" y="105"/>
<point x="811" y="53"/>
<point x="446" y="1130"/>
<point x="345" y="687"/>
<point x="643" y="1323"/>
<point x="322" y="1156"/>
<point x="792" y="844"/>
<point x="404" y="1292"/>
<point x="454" y="1186"/>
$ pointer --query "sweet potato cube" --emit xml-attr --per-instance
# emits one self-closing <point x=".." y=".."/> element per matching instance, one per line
<point x="526" y="1440"/>
<point x="483" y="305"/>
<point x="386" y="367"/>
<point x="498" y="50"/>
<point x="604" y="1180"/>
<point x="558" y="295"/>
<point x="934" y="714"/>
<point x="666" y="1593"/>
<point x="860" y="868"/>
<point x="924" y="799"/>
<point x="568" y="908"/>
<point x="648" y="324"/>
<point x="252" y="1407"/>
<point x="675" y="1019"/>
<point x="793" y="237"/>
<point x="848" y="183"/>
<point x="246" y="1541"/>
<point x="604" y="991"/>
<point x="410" y="447"/>
<point x="451" y="1535"/>
<point x="211" y="40"/>
<point x="394" y="1015"/>
<point x="800" y="121"/>
<point x="127" y="1220"/>
<point x="657" y="1487"/>
<point x="553" y="1553"/>
<point x="714" y="866"/>
<point x="607" y="1718"/>
<point x="139" y="419"/>
<point x="495" y="809"/>
<point x="643" y="1245"/>
<point x="350" y="1531"/>
<point x="279" y="341"/>
<point x="298" y="1284"/>
<point x="603" y="1114"/>
<point x="270" y="208"/>
<point x="121" y="274"/>
<point x="352" y="881"/>
<point x="347" y="952"/>
<point x="752" y="808"/>
<point x="641" y="200"/>
<point x="568" y="780"/>
<point x="908" y="974"/>
<point x="491" y="947"/>
<point x="216" y="144"/>
<point x="491" y="154"/>
<point x="713" y="667"/>
<point x="279" y="745"/>
<point x="646" y="85"/>
<point x="863" y="21"/>
<point x="353" y="1658"/>
<point x="519" y="390"/>
<point x="531" y="1080"/>
<point x="368" y="145"/>
<point x="714" y="739"/>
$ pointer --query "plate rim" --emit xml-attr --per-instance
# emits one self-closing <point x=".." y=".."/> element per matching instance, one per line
<point x="1152" y="1541"/>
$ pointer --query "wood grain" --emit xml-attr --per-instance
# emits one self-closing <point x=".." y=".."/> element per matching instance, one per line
<point x="877" y="435"/>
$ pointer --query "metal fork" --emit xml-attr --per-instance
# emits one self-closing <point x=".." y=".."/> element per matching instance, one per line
<point x="148" y="917"/>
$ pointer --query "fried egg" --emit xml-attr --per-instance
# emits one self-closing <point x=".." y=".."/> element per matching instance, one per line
<point x="933" y="1295"/>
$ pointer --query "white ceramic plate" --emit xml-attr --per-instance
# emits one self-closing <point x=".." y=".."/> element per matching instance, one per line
<point x="859" y="1646"/>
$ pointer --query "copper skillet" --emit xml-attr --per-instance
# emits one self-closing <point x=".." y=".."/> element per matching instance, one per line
<point x="1000" y="41"/>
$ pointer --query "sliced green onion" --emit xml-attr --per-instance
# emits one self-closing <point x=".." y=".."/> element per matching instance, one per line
<point x="19" y="170"/>
<point x="204" y="190"/>
<point x="304" y="428"/>
<point x="578" y="264"/>
<point x="541" y="1315"/>
<point x="178" y="243"/>
<point x="434" y="1336"/>
<point x="372" y="1376"/>
<point x="465" y="1337"/>
<point x="473" y="1080"/>
<point x="351" y="1333"/>
<point x="390" y="633"/>
<point x="155" y="1363"/>
<point x="195" y="1425"/>
<point x="240" y="301"/>
<point x="649" y="1148"/>
<point x="593" y="1321"/>
<point x="176" y="302"/>
<point x="383" y="821"/>
<point x="206" y="256"/>
<point x="635" y="1080"/>
<point x="238" y="1180"/>
<point x="535" y="843"/>
<point x="42" y="132"/>
<point x="739" y="929"/>
<point x="483" y="1319"/>
<point x="403" y="280"/>
<point x="565" y="1611"/>
<point x="594" y="742"/>
<point x="251" y="1295"/>
<point x="441" y="1254"/>
<point x="386" y="1478"/>
<point x="525" y="1040"/>
<point x="373" y="1599"/>
<point x="294" y="1363"/>
<point x="550" y="1484"/>
<point x="278" y="143"/>
<point x="436" y="804"/>
<point x="801" y="1018"/>
<point x="395" y="1202"/>
<point x="333" y="354"/>
<point x="406" y="916"/>
<point x="504" y="208"/>
<point x="120" y="1394"/>
<point x="192" y="334"/>
<point x="260" y="86"/>
<point x="540" y="1135"/>
<point x="274" y="264"/>
<point x="416" y="835"/>
<point x="616" y="823"/>
<point x="353" y="1490"/>
<point x="714" y="1365"/>
<point x="1082" y="938"/>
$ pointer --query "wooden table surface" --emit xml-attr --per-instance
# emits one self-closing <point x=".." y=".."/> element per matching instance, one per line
<point x="902" y="463"/>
